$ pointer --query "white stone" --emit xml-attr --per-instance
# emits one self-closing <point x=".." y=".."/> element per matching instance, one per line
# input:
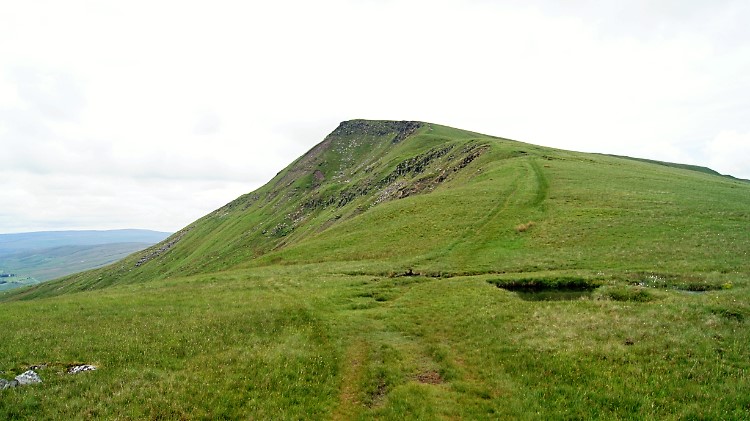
<point x="81" y="368"/>
<point x="4" y="384"/>
<point x="28" y="377"/>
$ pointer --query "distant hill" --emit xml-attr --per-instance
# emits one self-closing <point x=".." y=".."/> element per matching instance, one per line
<point x="11" y="243"/>
<point x="698" y="168"/>
<point x="29" y="258"/>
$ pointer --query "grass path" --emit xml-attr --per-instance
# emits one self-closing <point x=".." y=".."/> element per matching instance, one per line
<point x="542" y="189"/>
<point x="473" y="230"/>
<point x="524" y="199"/>
<point x="351" y="378"/>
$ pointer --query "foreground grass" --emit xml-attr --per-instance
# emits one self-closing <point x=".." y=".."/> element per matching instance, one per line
<point x="313" y="342"/>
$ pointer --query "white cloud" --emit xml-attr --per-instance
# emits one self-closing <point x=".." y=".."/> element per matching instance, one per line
<point x="728" y="153"/>
<point x="207" y="123"/>
<point x="146" y="98"/>
<point x="108" y="202"/>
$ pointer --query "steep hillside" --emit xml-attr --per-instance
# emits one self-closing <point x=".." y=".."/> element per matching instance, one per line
<point x="406" y="270"/>
<point x="394" y="196"/>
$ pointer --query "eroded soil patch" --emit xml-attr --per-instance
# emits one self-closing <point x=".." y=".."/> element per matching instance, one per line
<point x="429" y="377"/>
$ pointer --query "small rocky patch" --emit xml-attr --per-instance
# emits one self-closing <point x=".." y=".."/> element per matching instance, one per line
<point x="429" y="377"/>
<point x="81" y="368"/>
<point x="26" y="378"/>
<point x="30" y="376"/>
<point x="161" y="248"/>
<point x="5" y="384"/>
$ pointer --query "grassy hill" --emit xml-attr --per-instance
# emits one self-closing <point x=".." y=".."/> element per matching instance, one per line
<point x="411" y="270"/>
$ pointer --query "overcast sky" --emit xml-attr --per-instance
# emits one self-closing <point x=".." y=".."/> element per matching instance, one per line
<point x="150" y="114"/>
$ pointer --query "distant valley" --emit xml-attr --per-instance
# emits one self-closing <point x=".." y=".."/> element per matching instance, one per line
<point x="33" y="257"/>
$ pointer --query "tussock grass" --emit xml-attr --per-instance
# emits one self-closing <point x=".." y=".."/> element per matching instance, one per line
<point x="524" y="227"/>
<point x="626" y="293"/>
<point x="683" y="282"/>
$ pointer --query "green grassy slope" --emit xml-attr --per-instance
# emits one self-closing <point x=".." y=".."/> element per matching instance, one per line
<point x="698" y="168"/>
<point x="443" y="200"/>
<point x="362" y="282"/>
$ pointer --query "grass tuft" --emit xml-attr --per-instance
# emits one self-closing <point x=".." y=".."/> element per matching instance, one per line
<point x="524" y="227"/>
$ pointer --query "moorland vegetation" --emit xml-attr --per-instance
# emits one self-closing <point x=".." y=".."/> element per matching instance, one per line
<point x="407" y="270"/>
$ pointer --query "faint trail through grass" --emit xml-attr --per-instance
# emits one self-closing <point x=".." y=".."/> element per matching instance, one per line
<point x="542" y="183"/>
<point x="530" y="177"/>
<point x="355" y="363"/>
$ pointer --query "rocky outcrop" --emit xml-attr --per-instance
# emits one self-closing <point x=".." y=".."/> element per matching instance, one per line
<point x="163" y="247"/>
<point x="400" y="130"/>
<point x="415" y="165"/>
<point x="26" y="378"/>
<point x="5" y="384"/>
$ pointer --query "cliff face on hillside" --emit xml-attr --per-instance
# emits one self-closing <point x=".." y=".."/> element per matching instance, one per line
<point x="350" y="141"/>
<point x="361" y="163"/>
